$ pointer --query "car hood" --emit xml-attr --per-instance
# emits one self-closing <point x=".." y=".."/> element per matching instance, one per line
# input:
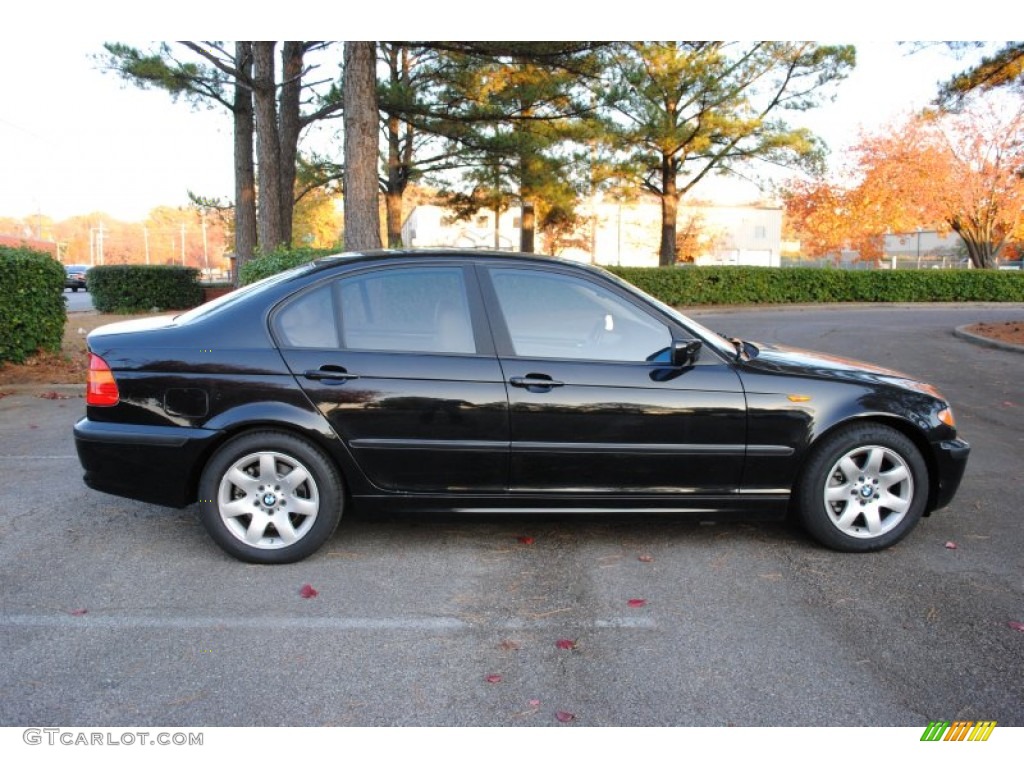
<point x="802" y="362"/>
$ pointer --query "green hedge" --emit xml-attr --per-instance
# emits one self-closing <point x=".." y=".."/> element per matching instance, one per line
<point x="133" y="288"/>
<point x="271" y="263"/>
<point x="32" y="307"/>
<point x="695" y="286"/>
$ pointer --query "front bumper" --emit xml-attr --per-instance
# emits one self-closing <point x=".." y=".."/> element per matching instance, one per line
<point x="951" y="461"/>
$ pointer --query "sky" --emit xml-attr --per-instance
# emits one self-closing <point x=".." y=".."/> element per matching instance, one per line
<point x="76" y="140"/>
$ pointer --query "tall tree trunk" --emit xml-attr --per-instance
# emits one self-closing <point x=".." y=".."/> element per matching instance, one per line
<point x="669" y="212"/>
<point x="361" y="117"/>
<point x="268" y="147"/>
<point x="399" y="153"/>
<point x="526" y="227"/>
<point x="245" y="173"/>
<point x="288" y="130"/>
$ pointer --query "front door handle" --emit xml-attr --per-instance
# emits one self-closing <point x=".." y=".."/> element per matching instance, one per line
<point x="535" y="382"/>
<point x="330" y="373"/>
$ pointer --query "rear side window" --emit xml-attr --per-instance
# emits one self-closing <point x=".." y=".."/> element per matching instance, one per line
<point x="416" y="309"/>
<point x="309" y="320"/>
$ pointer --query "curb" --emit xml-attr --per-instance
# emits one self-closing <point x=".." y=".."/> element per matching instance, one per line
<point x="963" y="333"/>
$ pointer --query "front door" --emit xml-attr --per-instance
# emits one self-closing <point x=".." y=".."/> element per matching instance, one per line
<point x="596" y="406"/>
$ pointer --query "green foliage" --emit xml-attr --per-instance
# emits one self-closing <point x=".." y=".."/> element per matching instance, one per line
<point x="269" y="264"/>
<point x="697" y="286"/>
<point x="131" y="288"/>
<point x="32" y="311"/>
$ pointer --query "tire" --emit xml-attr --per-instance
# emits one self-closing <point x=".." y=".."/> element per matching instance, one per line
<point x="863" y="489"/>
<point x="74" y="289"/>
<point x="270" y="497"/>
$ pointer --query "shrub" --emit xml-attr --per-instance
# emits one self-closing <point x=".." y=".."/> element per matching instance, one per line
<point x="269" y="264"/>
<point x="131" y="288"/>
<point x="32" y="311"/>
<point x="695" y="286"/>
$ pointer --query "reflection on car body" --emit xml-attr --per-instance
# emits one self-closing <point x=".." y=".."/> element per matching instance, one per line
<point x="473" y="380"/>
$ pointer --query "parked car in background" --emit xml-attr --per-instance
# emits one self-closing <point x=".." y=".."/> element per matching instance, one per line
<point x="74" y="277"/>
<point x="466" y="380"/>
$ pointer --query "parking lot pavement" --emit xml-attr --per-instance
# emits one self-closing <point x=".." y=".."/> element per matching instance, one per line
<point x="120" y="613"/>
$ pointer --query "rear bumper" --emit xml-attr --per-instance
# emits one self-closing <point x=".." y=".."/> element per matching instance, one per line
<point x="159" y="465"/>
<point x="951" y="460"/>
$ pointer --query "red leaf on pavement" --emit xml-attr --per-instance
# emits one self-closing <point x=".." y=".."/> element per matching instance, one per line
<point x="33" y="426"/>
<point x="508" y="645"/>
<point x="307" y="591"/>
<point x="637" y="602"/>
<point x="1018" y="625"/>
<point x="493" y="678"/>
<point x="566" y="644"/>
<point x="526" y="540"/>
<point x="950" y="545"/>
<point x="645" y="559"/>
<point x="564" y="717"/>
<point x="79" y="612"/>
<point x="534" y="703"/>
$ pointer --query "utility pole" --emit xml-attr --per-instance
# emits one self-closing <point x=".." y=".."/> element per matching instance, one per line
<point x="183" y="243"/>
<point x="206" y="255"/>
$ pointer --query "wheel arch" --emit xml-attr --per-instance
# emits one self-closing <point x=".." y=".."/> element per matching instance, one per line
<point x="904" y="426"/>
<point x="278" y="417"/>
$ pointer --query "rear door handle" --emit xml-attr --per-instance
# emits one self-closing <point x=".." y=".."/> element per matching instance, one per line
<point x="535" y="381"/>
<point x="330" y="373"/>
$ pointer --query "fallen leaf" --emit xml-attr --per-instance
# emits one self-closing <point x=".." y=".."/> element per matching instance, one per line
<point x="54" y="396"/>
<point x="564" y="717"/>
<point x="566" y="644"/>
<point x="645" y="559"/>
<point x="307" y="591"/>
<point x="79" y="612"/>
<point x="526" y="540"/>
<point x="493" y="678"/>
<point x="950" y="545"/>
<point x="534" y="703"/>
<point x="637" y="602"/>
<point x="33" y="426"/>
<point x="1018" y="625"/>
<point x="5" y="394"/>
<point x="508" y="645"/>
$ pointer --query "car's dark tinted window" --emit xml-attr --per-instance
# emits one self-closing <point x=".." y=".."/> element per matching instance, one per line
<point x="309" y="320"/>
<point x="559" y="316"/>
<point x="417" y="309"/>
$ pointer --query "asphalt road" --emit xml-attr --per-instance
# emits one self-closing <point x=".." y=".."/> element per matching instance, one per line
<point x="124" y="614"/>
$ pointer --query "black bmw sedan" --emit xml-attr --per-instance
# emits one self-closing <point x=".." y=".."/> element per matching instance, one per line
<point x="471" y="381"/>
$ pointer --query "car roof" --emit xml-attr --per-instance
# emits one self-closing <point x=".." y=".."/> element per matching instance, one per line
<point x="462" y="254"/>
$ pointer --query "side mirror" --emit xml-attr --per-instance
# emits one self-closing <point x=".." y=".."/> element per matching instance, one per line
<point x="686" y="353"/>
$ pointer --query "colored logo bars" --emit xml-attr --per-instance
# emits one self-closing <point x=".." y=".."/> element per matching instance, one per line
<point x="961" y="730"/>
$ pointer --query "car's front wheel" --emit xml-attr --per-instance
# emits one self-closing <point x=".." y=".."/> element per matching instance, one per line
<point x="863" y="488"/>
<point x="270" y="497"/>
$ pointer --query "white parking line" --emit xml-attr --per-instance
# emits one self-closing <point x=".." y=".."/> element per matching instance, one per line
<point x="333" y="623"/>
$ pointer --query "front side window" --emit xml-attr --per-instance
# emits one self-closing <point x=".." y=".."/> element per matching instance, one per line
<point x="560" y="316"/>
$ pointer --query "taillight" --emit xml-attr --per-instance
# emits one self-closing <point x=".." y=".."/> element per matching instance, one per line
<point x="101" y="389"/>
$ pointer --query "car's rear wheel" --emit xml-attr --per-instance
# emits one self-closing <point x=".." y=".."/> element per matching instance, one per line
<point x="863" y="489"/>
<point x="270" y="497"/>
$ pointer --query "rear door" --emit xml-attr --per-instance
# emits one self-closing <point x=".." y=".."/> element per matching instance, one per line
<point x="398" y="359"/>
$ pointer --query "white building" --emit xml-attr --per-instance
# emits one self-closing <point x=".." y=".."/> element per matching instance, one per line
<point x="626" y="234"/>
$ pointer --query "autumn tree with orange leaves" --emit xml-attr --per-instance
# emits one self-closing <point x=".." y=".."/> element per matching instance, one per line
<point x="958" y="172"/>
